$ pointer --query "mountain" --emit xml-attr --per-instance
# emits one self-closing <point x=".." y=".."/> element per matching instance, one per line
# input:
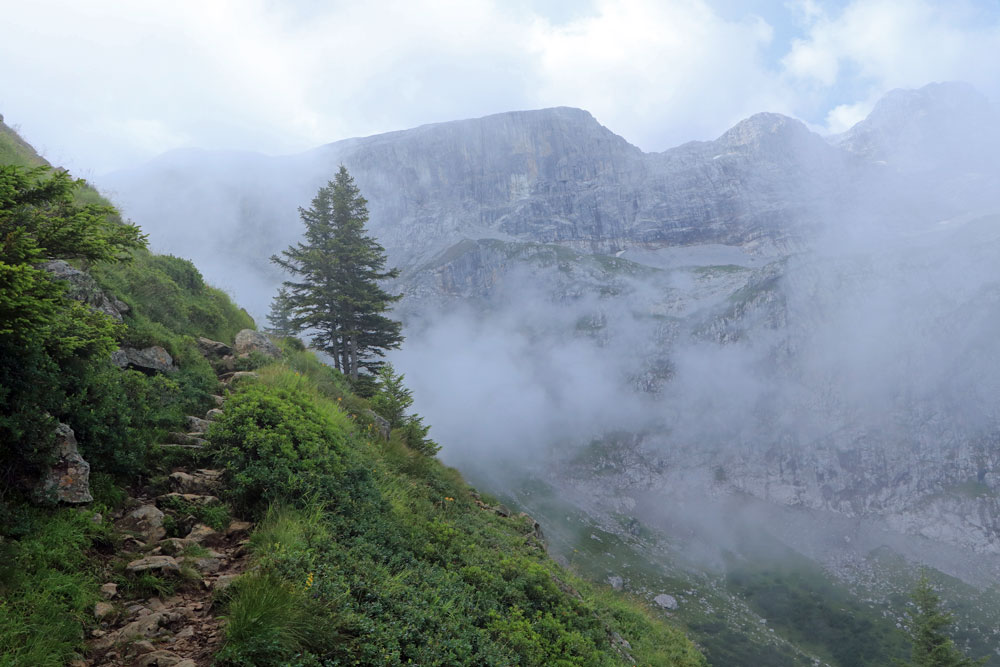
<point x="769" y="338"/>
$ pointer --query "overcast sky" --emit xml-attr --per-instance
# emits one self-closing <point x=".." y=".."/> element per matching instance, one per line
<point x="102" y="84"/>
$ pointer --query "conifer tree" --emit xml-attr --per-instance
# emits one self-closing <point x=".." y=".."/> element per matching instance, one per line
<point x="336" y="294"/>
<point x="280" y="317"/>
<point x="932" y="647"/>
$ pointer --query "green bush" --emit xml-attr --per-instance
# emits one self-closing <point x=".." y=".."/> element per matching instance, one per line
<point x="270" y="621"/>
<point x="276" y="445"/>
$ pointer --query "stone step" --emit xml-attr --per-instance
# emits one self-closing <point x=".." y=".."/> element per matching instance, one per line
<point x="235" y="375"/>
<point x="196" y="424"/>
<point x="200" y="481"/>
<point x="186" y="439"/>
<point x="192" y="498"/>
<point x="174" y="445"/>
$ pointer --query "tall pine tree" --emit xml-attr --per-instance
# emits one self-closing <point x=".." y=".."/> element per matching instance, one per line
<point x="335" y="293"/>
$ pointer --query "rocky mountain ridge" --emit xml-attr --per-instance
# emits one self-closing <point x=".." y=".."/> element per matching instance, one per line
<point x="763" y="246"/>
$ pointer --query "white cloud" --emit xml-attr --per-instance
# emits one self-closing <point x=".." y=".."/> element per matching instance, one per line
<point x="659" y="73"/>
<point x="873" y="46"/>
<point x="103" y="83"/>
<point x="844" y="116"/>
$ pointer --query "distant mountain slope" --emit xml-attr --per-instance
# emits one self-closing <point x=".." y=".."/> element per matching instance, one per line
<point x="558" y="176"/>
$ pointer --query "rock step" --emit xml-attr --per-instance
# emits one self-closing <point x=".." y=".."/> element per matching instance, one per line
<point x="203" y="481"/>
<point x="192" y="498"/>
<point x="173" y="445"/>
<point x="186" y="439"/>
<point x="235" y="375"/>
<point x="196" y="424"/>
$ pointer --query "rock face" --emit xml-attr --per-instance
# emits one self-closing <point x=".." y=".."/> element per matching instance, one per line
<point x="149" y="360"/>
<point x="68" y="480"/>
<point x="248" y="341"/>
<point x="84" y="288"/>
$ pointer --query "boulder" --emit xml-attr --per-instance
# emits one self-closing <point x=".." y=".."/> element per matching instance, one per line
<point x="148" y="521"/>
<point x="205" y="535"/>
<point x="149" y="360"/>
<point x="109" y="590"/>
<point x="666" y="601"/>
<point x="248" y="341"/>
<point x="213" y="414"/>
<point x="213" y="349"/>
<point x="85" y="289"/>
<point x="68" y="480"/>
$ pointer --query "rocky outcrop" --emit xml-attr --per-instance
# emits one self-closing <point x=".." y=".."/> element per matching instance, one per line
<point x="381" y="424"/>
<point x="149" y="360"/>
<point x="84" y="288"/>
<point x="68" y="479"/>
<point x="213" y="349"/>
<point x="249" y="341"/>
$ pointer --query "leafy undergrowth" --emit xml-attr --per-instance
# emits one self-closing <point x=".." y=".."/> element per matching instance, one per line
<point x="369" y="553"/>
<point x="48" y="586"/>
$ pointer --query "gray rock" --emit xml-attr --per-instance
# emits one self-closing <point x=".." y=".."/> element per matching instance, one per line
<point x="147" y="521"/>
<point x="201" y="482"/>
<point x="149" y="360"/>
<point x="213" y="414"/>
<point x="229" y="378"/>
<point x="213" y="349"/>
<point x="206" y="535"/>
<point x="103" y="609"/>
<point x="85" y="289"/>
<point x="109" y="590"/>
<point x="160" y="658"/>
<point x="192" y="498"/>
<point x="616" y="582"/>
<point x="207" y="565"/>
<point x="666" y="601"/>
<point x="248" y="341"/>
<point x="196" y="424"/>
<point x="68" y="479"/>
<point x="154" y="563"/>
<point x="381" y="424"/>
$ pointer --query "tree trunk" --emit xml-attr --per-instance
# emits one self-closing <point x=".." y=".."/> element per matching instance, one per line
<point x="354" y="357"/>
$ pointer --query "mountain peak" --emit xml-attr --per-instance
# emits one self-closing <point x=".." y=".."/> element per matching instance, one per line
<point x="920" y="127"/>
<point x="764" y="128"/>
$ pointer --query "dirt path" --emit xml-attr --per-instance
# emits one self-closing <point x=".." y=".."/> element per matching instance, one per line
<point x="180" y="629"/>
